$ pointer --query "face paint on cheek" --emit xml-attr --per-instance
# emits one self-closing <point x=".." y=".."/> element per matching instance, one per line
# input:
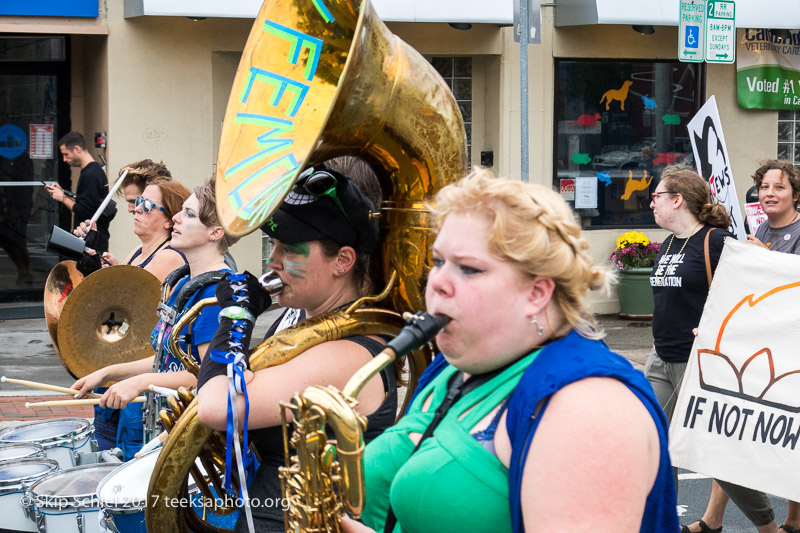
<point x="296" y="269"/>
<point x="301" y="248"/>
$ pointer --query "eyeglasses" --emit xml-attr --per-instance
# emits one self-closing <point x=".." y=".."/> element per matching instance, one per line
<point x="655" y="194"/>
<point x="320" y="184"/>
<point x="147" y="205"/>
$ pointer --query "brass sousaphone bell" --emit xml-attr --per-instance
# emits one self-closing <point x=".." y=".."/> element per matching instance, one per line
<point x="320" y="79"/>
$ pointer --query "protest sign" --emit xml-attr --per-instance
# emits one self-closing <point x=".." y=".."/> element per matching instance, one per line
<point x="755" y="216"/>
<point x="737" y="417"/>
<point x="713" y="163"/>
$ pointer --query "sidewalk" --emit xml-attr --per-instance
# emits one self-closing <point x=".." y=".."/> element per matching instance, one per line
<point x="13" y="408"/>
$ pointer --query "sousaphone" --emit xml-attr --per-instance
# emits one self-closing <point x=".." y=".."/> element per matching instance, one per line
<point x="320" y="79"/>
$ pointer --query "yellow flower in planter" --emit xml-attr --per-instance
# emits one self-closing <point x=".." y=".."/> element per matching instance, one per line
<point x="634" y="250"/>
<point x="632" y="237"/>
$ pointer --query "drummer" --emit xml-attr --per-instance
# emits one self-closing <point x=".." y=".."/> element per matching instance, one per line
<point x="197" y="234"/>
<point x="147" y="180"/>
<point x="146" y="184"/>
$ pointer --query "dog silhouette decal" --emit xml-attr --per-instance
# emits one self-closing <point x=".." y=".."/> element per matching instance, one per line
<point x="620" y="95"/>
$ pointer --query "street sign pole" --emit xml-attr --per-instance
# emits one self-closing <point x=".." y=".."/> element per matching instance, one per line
<point x="523" y="87"/>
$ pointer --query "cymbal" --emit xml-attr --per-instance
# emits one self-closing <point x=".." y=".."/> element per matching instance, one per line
<point x="60" y="283"/>
<point x="108" y="318"/>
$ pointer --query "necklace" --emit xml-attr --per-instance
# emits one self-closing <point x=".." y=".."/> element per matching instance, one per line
<point x="672" y="238"/>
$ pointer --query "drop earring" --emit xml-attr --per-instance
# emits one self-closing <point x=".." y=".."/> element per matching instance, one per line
<point x="539" y="329"/>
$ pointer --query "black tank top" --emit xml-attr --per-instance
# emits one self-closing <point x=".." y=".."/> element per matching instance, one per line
<point x="266" y="486"/>
<point x="144" y="263"/>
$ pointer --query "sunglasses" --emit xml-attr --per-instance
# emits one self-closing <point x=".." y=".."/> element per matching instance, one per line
<point x="320" y="184"/>
<point x="655" y="194"/>
<point x="147" y="205"/>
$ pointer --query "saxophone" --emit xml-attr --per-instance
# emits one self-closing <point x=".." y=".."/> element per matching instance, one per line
<point x="319" y="470"/>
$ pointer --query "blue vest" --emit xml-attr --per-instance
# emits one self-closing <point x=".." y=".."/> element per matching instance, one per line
<point x="559" y="364"/>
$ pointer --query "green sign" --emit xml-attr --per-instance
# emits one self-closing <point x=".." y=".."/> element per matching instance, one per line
<point x="768" y="70"/>
<point x="720" y="32"/>
<point x="691" y="46"/>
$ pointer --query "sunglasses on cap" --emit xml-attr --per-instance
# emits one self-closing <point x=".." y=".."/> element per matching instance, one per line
<point x="319" y="184"/>
<point x="147" y="205"/>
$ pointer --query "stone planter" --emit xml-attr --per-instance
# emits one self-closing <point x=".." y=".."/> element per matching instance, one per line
<point x="635" y="294"/>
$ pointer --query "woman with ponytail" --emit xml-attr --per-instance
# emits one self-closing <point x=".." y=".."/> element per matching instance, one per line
<point x="680" y="279"/>
<point x="533" y="424"/>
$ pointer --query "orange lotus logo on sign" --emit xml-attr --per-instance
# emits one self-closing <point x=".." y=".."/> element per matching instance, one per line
<point x="749" y="368"/>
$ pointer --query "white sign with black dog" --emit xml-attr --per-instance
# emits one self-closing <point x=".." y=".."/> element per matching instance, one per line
<point x="713" y="163"/>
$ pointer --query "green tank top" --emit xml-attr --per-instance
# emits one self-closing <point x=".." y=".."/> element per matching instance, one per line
<point x="452" y="483"/>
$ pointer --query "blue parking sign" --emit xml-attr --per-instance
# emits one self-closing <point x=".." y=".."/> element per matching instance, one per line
<point x="692" y="37"/>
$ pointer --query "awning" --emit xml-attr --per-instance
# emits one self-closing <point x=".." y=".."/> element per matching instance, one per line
<point x="749" y="13"/>
<point x="472" y="11"/>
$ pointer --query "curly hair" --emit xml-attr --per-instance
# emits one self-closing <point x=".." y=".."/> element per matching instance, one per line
<point x="787" y="169"/>
<point x="697" y="195"/>
<point x="535" y="230"/>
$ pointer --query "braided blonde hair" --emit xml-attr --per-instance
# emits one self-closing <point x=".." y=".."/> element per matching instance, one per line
<point x="536" y="231"/>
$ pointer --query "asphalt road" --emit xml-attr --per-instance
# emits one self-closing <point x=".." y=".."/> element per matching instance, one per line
<point x="26" y="352"/>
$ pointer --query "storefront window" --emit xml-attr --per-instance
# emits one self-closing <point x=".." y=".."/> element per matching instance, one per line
<point x="789" y="136"/>
<point x="34" y="113"/>
<point x="457" y="73"/>
<point x="618" y="124"/>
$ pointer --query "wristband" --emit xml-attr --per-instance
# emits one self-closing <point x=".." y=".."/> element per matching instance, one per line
<point x="237" y="312"/>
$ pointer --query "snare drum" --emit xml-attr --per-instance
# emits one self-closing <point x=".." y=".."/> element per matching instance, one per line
<point x="60" y="437"/>
<point x="123" y="494"/>
<point x="14" y="452"/>
<point x="65" y="501"/>
<point x="15" y="478"/>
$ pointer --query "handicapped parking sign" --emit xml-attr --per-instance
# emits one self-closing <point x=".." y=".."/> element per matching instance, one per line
<point x="692" y="37"/>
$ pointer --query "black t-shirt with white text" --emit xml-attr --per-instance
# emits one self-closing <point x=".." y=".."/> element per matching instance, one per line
<point x="680" y="289"/>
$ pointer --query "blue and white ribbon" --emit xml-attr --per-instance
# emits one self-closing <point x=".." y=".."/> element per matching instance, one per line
<point x="236" y="360"/>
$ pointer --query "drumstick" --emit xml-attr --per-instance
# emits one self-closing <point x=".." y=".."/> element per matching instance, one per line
<point x="84" y="401"/>
<point x="108" y="198"/>
<point x="152" y="445"/>
<point x="44" y="386"/>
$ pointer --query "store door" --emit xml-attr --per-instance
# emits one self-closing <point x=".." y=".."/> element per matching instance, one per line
<point x="34" y="93"/>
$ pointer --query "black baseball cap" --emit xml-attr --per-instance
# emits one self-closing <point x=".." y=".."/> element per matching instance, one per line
<point x="325" y="204"/>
